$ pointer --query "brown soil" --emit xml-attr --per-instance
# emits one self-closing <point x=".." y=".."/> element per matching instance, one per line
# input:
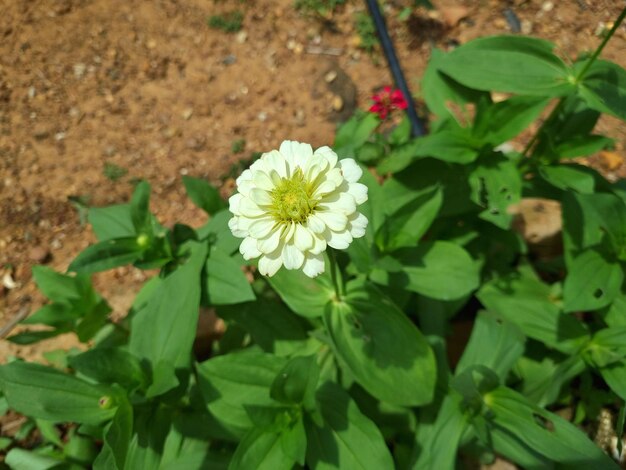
<point x="150" y="88"/>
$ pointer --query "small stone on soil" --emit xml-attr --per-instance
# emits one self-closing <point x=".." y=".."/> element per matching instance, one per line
<point x="39" y="254"/>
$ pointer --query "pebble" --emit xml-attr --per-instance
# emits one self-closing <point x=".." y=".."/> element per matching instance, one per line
<point x="41" y="132"/>
<point x="8" y="282"/>
<point x="611" y="160"/>
<point x="527" y="27"/>
<point x="229" y="59"/>
<point x="110" y="150"/>
<point x="194" y="143"/>
<point x="187" y="113"/>
<point x="337" y="103"/>
<point x="547" y="6"/>
<point x="330" y="76"/>
<point x="241" y="37"/>
<point x="38" y="254"/>
<point x="79" y="70"/>
<point x="59" y="136"/>
<point x="31" y="92"/>
<point x="56" y="244"/>
<point x="262" y="116"/>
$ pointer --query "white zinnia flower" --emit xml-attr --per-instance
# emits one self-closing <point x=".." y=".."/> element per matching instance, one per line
<point x="294" y="202"/>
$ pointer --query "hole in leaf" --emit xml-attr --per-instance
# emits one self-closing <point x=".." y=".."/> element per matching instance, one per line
<point x="598" y="293"/>
<point x="543" y="422"/>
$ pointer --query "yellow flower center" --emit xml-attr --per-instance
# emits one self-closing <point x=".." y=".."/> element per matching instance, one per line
<point x="291" y="199"/>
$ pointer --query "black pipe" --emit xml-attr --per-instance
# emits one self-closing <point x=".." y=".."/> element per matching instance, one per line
<point x="417" y="127"/>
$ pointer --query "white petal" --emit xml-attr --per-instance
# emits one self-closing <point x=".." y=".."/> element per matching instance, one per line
<point x="233" y="203"/>
<point x="248" y="208"/>
<point x="292" y="257"/>
<point x="328" y="155"/>
<point x="338" y="240"/>
<point x="260" y="228"/>
<point x="351" y="171"/>
<point x="358" y="225"/>
<point x="339" y="202"/>
<point x="319" y="245"/>
<point x="244" y="187"/>
<point x="249" y="249"/>
<point x="276" y="161"/>
<point x="270" y="242"/>
<point x="326" y="187"/>
<point x="236" y="228"/>
<point x="269" y="264"/>
<point x="246" y="175"/>
<point x="303" y="238"/>
<point x="261" y="197"/>
<point x="316" y="224"/>
<point x="333" y="220"/>
<point x="289" y="232"/>
<point x="262" y="180"/>
<point x="358" y="192"/>
<point x="313" y="265"/>
<point x="296" y="153"/>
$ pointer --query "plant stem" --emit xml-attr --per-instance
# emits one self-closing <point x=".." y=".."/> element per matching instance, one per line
<point x="577" y="80"/>
<point x="334" y="273"/>
<point x="597" y="52"/>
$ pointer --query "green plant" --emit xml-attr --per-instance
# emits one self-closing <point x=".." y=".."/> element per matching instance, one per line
<point x="229" y="22"/>
<point x="322" y="8"/>
<point x="114" y="172"/>
<point x="368" y="38"/>
<point x="238" y="145"/>
<point x="350" y="369"/>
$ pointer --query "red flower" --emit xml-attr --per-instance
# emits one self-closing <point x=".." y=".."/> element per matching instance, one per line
<point x="386" y="101"/>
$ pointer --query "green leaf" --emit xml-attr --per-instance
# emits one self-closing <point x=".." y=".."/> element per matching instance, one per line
<point x="216" y="229"/>
<point x="306" y="296"/>
<point x="513" y="64"/>
<point x="615" y="376"/>
<point x="604" y="88"/>
<point x="117" y="437"/>
<point x="381" y="347"/>
<point x="544" y="377"/>
<point x="569" y="177"/>
<point x="263" y="450"/>
<point x="31" y="337"/>
<point x="20" y="459"/>
<point x="407" y="224"/>
<point x="547" y="434"/>
<point x="441" y="270"/>
<point x="354" y="133"/>
<point x="45" y="393"/>
<point x="496" y="184"/>
<point x="226" y="283"/>
<point x="140" y="208"/>
<point x="494" y="344"/>
<point x="231" y="382"/>
<point x="55" y="314"/>
<point x="203" y="194"/>
<point x="581" y="146"/>
<point x="111" y="222"/>
<point x="270" y="324"/>
<point x="110" y="365"/>
<point x="297" y="381"/>
<point x="165" y="329"/>
<point x="346" y="438"/>
<point x="439" y="450"/>
<point x="525" y="301"/>
<point x="453" y="146"/>
<point x="106" y="255"/>
<point x="497" y="123"/>
<point x="438" y="90"/>
<point x="62" y="287"/>
<point x="592" y="282"/>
